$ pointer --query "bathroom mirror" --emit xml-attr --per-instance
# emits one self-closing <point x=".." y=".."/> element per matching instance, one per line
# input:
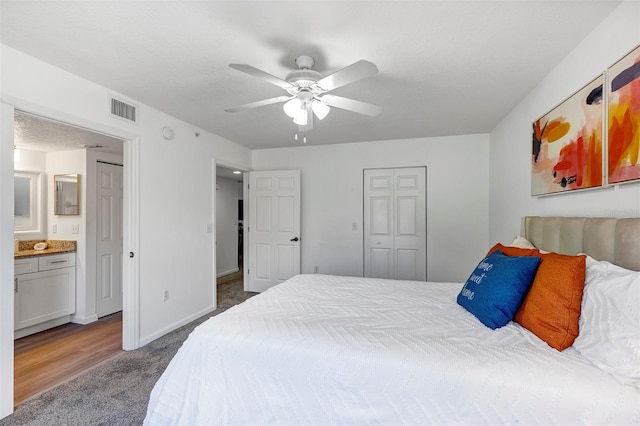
<point x="27" y="192"/>
<point x="66" y="194"/>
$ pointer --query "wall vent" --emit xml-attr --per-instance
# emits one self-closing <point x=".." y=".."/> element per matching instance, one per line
<point x="124" y="110"/>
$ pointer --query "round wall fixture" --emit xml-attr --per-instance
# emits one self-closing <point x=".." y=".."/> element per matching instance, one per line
<point x="167" y="133"/>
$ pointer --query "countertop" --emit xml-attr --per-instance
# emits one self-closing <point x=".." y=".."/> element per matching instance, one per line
<point x="25" y="248"/>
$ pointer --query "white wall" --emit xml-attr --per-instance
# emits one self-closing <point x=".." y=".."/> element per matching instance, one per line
<point x="226" y="225"/>
<point x="31" y="161"/>
<point x="65" y="162"/>
<point x="331" y="175"/>
<point x="175" y="186"/>
<point x="510" y="183"/>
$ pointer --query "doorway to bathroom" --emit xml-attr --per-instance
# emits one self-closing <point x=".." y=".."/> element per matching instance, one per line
<point x="52" y="147"/>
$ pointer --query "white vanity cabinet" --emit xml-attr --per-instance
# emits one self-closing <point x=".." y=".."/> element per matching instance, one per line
<point x="44" y="292"/>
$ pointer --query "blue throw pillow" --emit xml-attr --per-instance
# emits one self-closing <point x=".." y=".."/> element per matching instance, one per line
<point x="497" y="286"/>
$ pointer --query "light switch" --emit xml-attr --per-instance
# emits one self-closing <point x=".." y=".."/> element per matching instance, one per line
<point x="209" y="227"/>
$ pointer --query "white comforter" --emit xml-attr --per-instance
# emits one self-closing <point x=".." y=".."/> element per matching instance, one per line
<point x="321" y="349"/>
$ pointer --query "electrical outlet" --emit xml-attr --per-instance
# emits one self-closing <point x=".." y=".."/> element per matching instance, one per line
<point x="316" y="269"/>
<point x="165" y="295"/>
<point x="54" y="228"/>
<point x="354" y="226"/>
<point x="75" y="229"/>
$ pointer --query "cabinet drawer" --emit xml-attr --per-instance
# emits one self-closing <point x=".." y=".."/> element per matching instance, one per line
<point x="25" y="265"/>
<point x="56" y="261"/>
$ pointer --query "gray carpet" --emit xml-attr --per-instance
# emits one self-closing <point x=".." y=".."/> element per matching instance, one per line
<point x="117" y="391"/>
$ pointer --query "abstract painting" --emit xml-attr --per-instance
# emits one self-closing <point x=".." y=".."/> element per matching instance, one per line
<point x="567" y="143"/>
<point x="623" y="79"/>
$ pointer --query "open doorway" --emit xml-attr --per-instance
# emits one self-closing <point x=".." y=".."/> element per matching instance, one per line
<point x="229" y="221"/>
<point x="52" y="148"/>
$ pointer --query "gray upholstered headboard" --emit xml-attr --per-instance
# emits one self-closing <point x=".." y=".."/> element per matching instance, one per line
<point x="614" y="240"/>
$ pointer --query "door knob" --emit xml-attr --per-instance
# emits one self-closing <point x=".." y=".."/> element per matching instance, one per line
<point x="294" y="239"/>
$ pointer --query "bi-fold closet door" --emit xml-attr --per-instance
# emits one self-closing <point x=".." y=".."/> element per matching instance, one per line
<point x="395" y="223"/>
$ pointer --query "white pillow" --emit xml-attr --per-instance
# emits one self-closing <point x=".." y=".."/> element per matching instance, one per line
<point x="610" y="320"/>
<point x="521" y="242"/>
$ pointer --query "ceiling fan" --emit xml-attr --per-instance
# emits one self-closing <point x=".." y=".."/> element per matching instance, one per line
<point x="308" y="91"/>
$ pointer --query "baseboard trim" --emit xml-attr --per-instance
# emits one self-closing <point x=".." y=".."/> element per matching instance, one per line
<point x="84" y="320"/>
<point x="174" y="326"/>
<point x="36" y="328"/>
<point x="231" y="271"/>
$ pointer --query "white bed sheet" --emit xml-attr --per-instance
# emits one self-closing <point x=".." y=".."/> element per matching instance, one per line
<point x="321" y="349"/>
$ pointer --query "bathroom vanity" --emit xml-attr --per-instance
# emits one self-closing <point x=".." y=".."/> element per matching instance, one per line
<point x="44" y="286"/>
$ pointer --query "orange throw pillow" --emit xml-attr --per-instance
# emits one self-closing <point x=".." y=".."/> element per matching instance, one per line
<point x="514" y="251"/>
<point x="551" y="309"/>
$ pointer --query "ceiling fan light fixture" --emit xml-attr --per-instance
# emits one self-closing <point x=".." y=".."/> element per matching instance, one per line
<point x="320" y="109"/>
<point x="292" y="107"/>
<point x="301" y="117"/>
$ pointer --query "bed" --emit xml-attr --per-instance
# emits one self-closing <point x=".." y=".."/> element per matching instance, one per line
<point x="321" y="349"/>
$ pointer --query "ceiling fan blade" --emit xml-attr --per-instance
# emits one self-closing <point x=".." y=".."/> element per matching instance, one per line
<point x="351" y="105"/>
<point x="349" y="74"/>
<point x="261" y="103"/>
<point x="261" y="74"/>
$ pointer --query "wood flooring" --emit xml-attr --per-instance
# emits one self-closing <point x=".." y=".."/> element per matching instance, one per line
<point x="51" y="357"/>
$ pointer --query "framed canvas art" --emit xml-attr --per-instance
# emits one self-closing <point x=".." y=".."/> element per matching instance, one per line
<point x="623" y="138"/>
<point x="567" y="143"/>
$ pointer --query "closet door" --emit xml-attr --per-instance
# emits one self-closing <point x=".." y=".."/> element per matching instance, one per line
<point x="395" y="223"/>
<point x="378" y="224"/>
<point x="109" y="239"/>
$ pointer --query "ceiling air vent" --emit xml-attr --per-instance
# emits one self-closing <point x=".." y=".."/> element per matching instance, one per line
<point x="124" y="110"/>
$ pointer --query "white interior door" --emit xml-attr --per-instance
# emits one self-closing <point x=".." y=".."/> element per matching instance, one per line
<point x="378" y="223"/>
<point x="274" y="228"/>
<point x="6" y="260"/>
<point x="395" y="223"/>
<point x="109" y="239"/>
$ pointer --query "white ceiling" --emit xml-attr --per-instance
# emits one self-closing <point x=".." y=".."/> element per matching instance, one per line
<point x="36" y="133"/>
<point x="446" y="67"/>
